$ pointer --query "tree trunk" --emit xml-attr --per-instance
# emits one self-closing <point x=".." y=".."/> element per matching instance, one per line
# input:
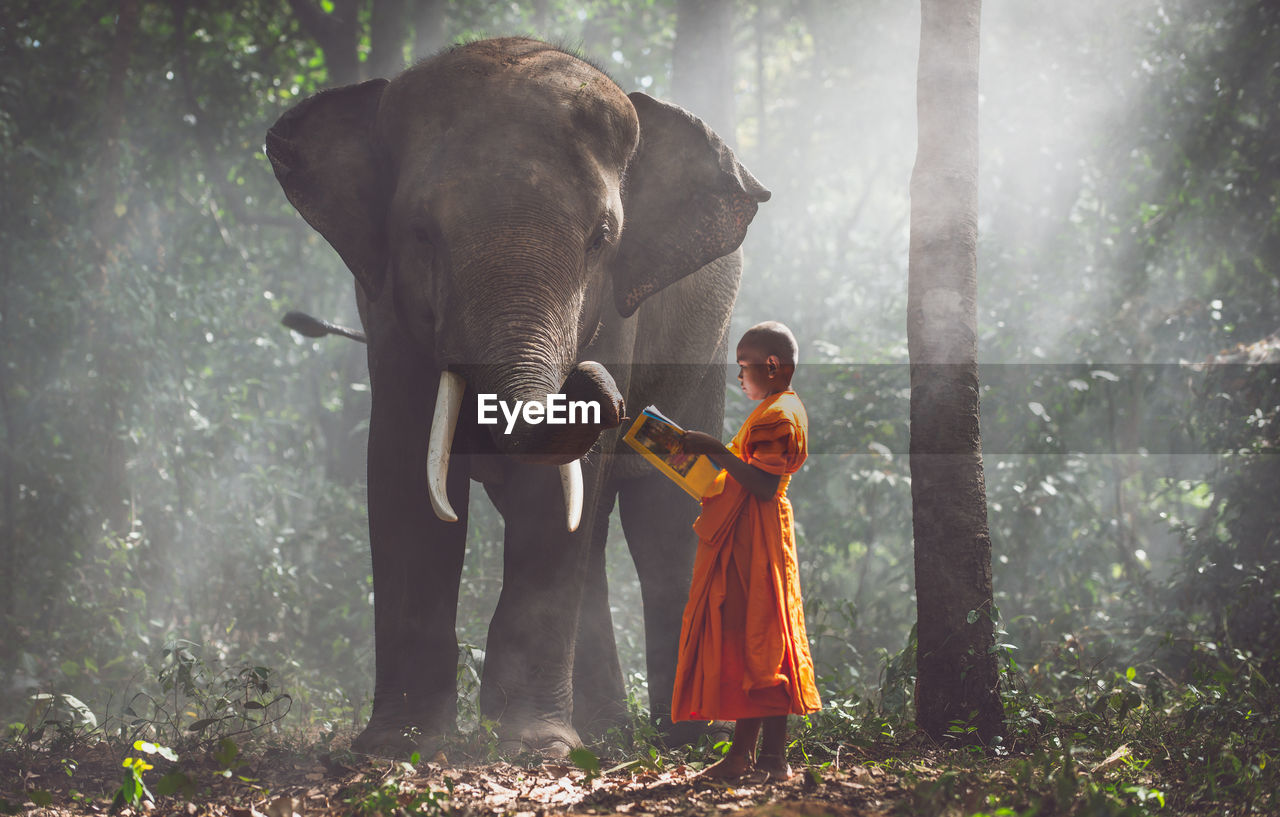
<point x="957" y="682"/>
<point x="337" y="33"/>
<point x="9" y="436"/>
<point x="387" y="29"/>
<point x="702" y="63"/>
<point x="541" y="16"/>
<point x="112" y="491"/>
<point x="428" y="28"/>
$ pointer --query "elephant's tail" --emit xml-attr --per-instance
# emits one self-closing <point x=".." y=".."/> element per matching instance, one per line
<point x="304" y="324"/>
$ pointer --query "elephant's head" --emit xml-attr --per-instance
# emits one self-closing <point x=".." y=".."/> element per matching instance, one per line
<point x="503" y="195"/>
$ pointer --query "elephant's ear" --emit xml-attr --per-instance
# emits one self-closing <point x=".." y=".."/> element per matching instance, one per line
<point x="687" y="201"/>
<point x="323" y="153"/>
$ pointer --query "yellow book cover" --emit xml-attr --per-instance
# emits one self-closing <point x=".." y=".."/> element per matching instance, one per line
<point x="657" y="438"/>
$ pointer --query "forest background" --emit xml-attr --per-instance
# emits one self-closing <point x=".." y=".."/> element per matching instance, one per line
<point x="181" y="478"/>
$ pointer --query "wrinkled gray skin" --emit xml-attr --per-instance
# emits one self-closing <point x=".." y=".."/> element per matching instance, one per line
<point x="510" y="214"/>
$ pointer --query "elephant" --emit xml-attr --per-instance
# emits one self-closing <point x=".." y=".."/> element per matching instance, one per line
<point x="521" y="229"/>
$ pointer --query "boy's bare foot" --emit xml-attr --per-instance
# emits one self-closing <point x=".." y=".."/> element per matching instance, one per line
<point x="775" y="766"/>
<point x="730" y="767"/>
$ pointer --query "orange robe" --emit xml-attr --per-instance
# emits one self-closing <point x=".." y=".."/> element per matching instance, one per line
<point x="743" y="648"/>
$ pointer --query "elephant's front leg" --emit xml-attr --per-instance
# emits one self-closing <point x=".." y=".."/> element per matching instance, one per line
<point x="417" y="564"/>
<point x="527" y="684"/>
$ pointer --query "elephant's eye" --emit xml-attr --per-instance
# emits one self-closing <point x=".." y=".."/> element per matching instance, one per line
<point x="600" y="238"/>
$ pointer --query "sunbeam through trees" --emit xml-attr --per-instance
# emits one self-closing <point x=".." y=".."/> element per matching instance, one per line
<point x="186" y="584"/>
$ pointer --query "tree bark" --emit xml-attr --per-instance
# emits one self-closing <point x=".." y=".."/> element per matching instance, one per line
<point x="337" y="34"/>
<point x="541" y="14"/>
<point x="9" y="436"/>
<point x="762" y="135"/>
<point x="112" y="489"/>
<point x="702" y="63"/>
<point x="957" y="682"/>
<point x="428" y="28"/>
<point x="387" y="29"/>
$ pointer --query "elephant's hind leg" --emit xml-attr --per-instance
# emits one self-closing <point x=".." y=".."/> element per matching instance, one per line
<point x="599" y="696"/>
<point x="657" y="517"/>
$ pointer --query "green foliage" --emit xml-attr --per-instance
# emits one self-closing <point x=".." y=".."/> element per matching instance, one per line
<point x="70" y="718"/>
<point x="192" y="702"/>
<point x="1133" y="739"/>
<point x="586" y="760"/>
<point x="395" y="794"/>
<point x="133" y="789"/>
<point x="168" y="512"/>
<point x="178" y="470"/>
<point x="184" y="689"/>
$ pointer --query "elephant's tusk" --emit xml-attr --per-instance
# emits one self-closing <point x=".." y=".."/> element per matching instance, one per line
<point x="571" y="481"/>
<point x="443" y="423"/>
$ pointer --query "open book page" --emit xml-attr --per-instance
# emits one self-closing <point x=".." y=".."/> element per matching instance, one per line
<point x="657" y="438"/>
<point x="653" y="412"/>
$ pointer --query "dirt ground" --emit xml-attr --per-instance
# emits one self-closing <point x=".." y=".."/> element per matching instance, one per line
<point x="281" y="784"/>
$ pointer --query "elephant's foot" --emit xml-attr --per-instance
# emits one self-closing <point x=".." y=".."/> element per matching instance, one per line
<point x="400" y="729"/>
<point x="397" y="742"/>
<point x="549" y="738"/>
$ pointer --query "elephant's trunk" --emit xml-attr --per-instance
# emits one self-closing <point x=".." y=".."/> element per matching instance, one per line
<point x="588" y="384"/>
<point x="558" y="427"/>
<point x="517" y="336"/>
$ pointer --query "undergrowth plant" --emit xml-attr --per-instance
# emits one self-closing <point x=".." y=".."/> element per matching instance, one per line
<point x="397" y="793"/>
<point x="188" y="709"/>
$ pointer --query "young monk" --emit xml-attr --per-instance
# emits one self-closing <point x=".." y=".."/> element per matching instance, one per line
<point x="744" y="655"/>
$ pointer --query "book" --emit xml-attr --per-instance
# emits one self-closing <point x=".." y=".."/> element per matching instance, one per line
<point x="657" y="438"/>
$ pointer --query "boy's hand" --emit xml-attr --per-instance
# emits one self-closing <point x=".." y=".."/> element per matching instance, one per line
<point x="695" y="442"/>
<point x="760" y="484"/>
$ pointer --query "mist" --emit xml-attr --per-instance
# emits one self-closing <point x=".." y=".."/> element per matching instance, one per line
<point x="180" y="468"/>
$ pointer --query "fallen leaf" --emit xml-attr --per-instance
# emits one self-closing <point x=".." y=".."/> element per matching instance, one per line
<point x="283" y="807"/>
<point x="1112" y="760"/>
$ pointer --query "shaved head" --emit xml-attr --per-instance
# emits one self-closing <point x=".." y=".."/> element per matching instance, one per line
<point x="773" y="338"/>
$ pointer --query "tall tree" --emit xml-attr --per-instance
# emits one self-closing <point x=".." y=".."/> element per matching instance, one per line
<point x="956" y="670"/>
<point x="338" y="32"/>
<point x="112" y="492"/>
<point x="387" y="30"/>
<point x="428" y="28"/>
<point x="702" y="63"/>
